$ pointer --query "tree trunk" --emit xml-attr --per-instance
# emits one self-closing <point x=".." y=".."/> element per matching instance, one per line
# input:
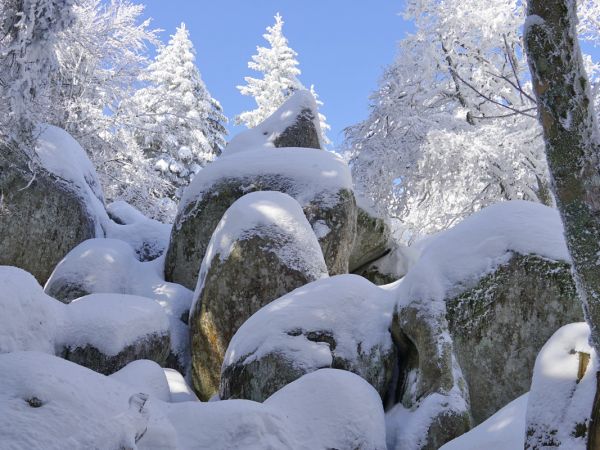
<point x="566" y="113"/>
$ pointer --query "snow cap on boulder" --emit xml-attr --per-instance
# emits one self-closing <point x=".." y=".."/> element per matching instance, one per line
<point x="294" y="124"/>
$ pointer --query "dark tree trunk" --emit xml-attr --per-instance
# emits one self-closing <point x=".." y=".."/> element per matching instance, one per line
<point x="572" y="147"/>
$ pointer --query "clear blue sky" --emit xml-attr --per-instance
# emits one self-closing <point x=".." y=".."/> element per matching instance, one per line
<point x="342" y="46"/>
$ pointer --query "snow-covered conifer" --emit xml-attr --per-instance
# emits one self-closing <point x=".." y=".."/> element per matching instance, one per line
<point x="176" y="121"/>
<point x="279" y="67"/>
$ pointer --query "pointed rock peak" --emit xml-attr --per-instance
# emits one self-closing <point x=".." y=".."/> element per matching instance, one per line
<point x="293" y="124"/>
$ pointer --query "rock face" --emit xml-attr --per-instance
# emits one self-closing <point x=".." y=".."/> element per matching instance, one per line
<point x="44" y="213"/>
<point x="429" y="404"/>
<point x="372" y="239"/>
<point x="262" y="249"/>
<point x="516" y="308"/>
<point x="342" y="322"/>
<point x="318" y="180"/>
<point x="302" y="133"/>
<point x="154" y="347"/>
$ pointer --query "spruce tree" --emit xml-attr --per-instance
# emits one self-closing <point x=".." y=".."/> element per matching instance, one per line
<point x="177" y="122"/>
<point x="279" y="67"/>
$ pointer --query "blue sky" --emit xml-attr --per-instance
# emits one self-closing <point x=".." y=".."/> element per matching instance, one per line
<point x="342" y="46"/>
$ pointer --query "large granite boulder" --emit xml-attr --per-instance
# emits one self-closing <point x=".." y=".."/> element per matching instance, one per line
<point x="318" y="180"/>
<point x="262" y="249"/>
<point x="342" y="322"/>
<point x="48" y="205"/>
<point x="516" y="308"/>
<point x="111" y="266"/>
<point x="472" y="307"/>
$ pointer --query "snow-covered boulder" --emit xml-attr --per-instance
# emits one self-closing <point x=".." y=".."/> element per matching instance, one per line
<point x="262" y="249"/>
<point x="149" y="238"/>
<point x="342" y="322"/>
<point x="474" y="309"/>
<point x="105" y="332"/>
<point x="100" y="331"/>
<point x="145" y="376"/>
<point x="373" y="236"/>
<point x="318" y="180"/>
<point x="29" y="319"/>
<point x="562" y="393"/>
<point x="294" y="124"/>
<point x="332" y="409"/>
<point x="50" y="206"/>
<point x="504" y="278"/>
<point x="111" y="266"/>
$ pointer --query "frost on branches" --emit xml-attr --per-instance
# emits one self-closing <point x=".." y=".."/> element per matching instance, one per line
<point x="453" y="124"/>
<point x="29" y="33"/>
<point x="176" y="121"/>
<point x="278" y="64"/>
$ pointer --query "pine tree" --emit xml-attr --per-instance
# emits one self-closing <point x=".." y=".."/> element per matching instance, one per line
<point x="177" y="122"/>
<point x="279" y="67"/>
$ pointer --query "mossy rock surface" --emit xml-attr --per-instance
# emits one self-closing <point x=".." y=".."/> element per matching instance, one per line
<point x="195" y="225"/>
<point x="499" y="326"/>
<point x="155" y="347"/>
<point x="232" y="290"/>
<point x="372" y="240"/>
<point x="41" y="216"/>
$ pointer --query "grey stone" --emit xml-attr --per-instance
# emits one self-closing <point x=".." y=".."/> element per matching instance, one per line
<point x="42" y="217"/>
<point x="154" y="347"/>
<point x="302" y="133"/>
<point x="426" y="370"/>
<point x="372" y="239"/>
<point x="499" y="326"/>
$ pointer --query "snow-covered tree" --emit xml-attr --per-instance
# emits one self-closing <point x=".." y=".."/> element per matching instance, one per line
<point x="101" y="56"/>
<point x="29" y="33"/>
<point x="176" y="121"/>
<point x="452" y="127"/>
<point x="279" y="67"/>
